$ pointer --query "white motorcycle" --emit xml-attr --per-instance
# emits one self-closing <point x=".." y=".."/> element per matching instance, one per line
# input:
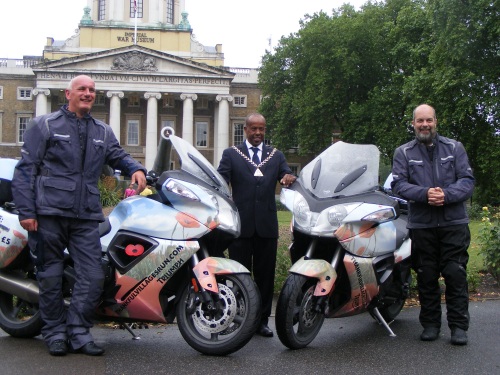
<point x="158" y="256"/>
<point x="350" y="249"/>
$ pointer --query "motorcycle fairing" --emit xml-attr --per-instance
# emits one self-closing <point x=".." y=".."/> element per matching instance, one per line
<point x="139" y="288"/>
<point x="366" y="239"/>
<point x="363" y="285"/>
<point x="13" y="238"/>
<point x="318" y="269"/>
<point x="206" y="270"/>
<point x="404" y="252"/>
<point x="152" y="218"/>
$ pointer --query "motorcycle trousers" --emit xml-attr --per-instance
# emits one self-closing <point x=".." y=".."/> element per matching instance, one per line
<point x="81" y="238"/>
<point x="442" y="251"/>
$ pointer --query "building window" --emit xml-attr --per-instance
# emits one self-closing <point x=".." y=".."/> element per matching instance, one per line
<point x="238" y="133"/>
<point x="101" y="117"/>
<point x="170" y="12"/>
<point x="170" y="123"/>
<point x="239" y="101"/>
<point x="133" y="133"/>
<point x="24" y="93"/>
<point x="202" y="103"/>
<point x="61" y="98"/>
<point x="134" y="101"/>
<point x="168" y="101"/>
<point x="201" y="139"/>
<point x="100" y="99"/>
<point x="22" y="125"/>
<point x="135" y="5"/>
<point x="1" y="92"/>
<point x="101" y="10"/>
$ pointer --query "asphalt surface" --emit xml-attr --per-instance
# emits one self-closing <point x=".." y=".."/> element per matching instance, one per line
<point x="354" y="345"/>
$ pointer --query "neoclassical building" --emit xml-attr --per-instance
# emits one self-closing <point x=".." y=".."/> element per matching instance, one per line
<point x="150" y="72"/>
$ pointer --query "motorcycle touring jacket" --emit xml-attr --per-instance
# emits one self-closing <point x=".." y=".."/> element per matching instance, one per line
<point x="61" y="163"/>
<point x="414" y="172"/>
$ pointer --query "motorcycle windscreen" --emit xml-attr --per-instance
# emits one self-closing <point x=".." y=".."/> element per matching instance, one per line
<point x="194" y="163"/>
<point x="342" y="169"/>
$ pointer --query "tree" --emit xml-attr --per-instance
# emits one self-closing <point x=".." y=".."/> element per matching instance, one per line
<point x="361" y="73"/>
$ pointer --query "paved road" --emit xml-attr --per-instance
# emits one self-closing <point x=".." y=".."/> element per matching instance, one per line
<point x="355" y="345"/>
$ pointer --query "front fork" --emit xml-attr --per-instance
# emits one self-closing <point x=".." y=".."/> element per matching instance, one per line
<point x="322" y="270"/>
<point x="204" y="280"/>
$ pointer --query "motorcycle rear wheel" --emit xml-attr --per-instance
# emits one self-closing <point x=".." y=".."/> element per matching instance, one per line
<point x="19" y="318"/>
<point x="227" y="328"/>
<point x="297" y="322"/>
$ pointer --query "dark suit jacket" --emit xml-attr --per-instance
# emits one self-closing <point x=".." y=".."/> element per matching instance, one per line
<point x="254" y="196"/>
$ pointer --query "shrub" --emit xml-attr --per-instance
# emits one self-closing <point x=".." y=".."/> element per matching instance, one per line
<point x="280" y="206"/>
<point x="110" y="196"/>
<point x="474" y="211"/>
<point x="489" y="241"/>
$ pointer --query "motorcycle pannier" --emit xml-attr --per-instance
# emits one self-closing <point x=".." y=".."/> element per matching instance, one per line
<point x="13" y="238"/>
<point x="6" y="173"/>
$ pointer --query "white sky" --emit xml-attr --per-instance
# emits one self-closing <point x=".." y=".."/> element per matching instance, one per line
<point x="242" y="27"/>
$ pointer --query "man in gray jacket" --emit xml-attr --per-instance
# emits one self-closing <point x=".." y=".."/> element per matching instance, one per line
<point x="433" y="173"/>
<point x="56" y="193"/>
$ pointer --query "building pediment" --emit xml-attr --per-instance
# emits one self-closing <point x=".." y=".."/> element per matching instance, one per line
<point x="136" y="68"/>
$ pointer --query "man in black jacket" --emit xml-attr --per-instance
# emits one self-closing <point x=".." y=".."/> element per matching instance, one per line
<point x="252" y="169"/>
<point x="433" y="173"/>
<point x="56" y="193"/>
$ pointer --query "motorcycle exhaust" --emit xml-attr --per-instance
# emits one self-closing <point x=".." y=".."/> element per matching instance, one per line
<point x="25" y="289"/>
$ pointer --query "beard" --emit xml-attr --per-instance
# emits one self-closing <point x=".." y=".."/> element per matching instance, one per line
<point x="426" y="138"/>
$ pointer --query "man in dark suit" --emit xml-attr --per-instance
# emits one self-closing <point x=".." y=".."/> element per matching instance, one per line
<point x="252" y="169"/>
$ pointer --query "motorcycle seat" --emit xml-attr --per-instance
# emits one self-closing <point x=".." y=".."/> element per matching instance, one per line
<point x="104" y="227"/>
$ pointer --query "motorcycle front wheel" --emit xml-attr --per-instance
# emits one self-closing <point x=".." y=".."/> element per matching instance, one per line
<point x="19" y="318"/>
<point x="227" y="327"/>
<point x="297" y="321"/>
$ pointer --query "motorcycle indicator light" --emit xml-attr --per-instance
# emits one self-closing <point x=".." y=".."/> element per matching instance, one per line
<point x="381" y="216"/>
<point x="176" y="187"/>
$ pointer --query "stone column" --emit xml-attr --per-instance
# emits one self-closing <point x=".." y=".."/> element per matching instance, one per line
<point x="151" y="128"/>
<point x="41" y="101"/>
<point x="115" y="111"/>
<point x="187" y="117"/>
<point x="222" y="126"/>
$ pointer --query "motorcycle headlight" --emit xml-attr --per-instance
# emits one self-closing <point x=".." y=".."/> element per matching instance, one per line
<point x="229" y="220"/>
<point x="301" y="212"/>
<point x="336" y="214"/>
<point x="173" y="186"/>
<point x="330" y="219"/>
<point x="227" y="217"/>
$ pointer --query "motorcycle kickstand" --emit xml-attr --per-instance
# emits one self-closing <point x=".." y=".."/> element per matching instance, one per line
<point x="383" y="322"/>
<point x="127" y="327"/>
